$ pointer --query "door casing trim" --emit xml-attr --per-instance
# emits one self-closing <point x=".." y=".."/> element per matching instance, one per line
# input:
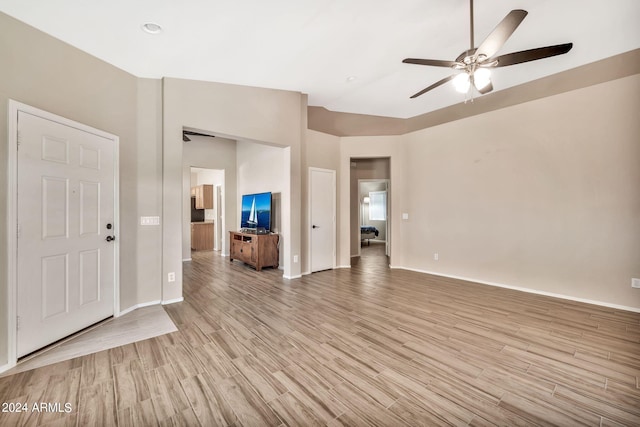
<point x="12" y="214"/>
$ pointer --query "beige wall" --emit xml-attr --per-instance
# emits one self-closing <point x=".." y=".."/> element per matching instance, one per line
<point x="261" y="169"/>
<point x="148" y="199"/>
<point x="321" y="151"/>
<point x="46" y="73"/>
<point x="390" y="150"/>
<point x="43" y="72"/>
<point x="542" y="195"/>
<point x="237" y="112"/>
<point x="211" y="153"/>
<point x="348" y="124"/>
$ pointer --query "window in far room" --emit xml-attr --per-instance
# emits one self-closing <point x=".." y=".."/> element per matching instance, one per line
<point x="378" y="206"/>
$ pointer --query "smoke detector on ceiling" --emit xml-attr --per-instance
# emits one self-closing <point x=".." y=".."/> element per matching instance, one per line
<point x="151" y="28"/>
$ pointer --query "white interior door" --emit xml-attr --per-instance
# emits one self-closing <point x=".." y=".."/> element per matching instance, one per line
<point x="65" y="264"/>
<point x="322" y="206"/>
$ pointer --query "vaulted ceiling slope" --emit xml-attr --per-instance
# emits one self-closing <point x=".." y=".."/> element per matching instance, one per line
<point x="349" y="124"/>
<point x="347" y="55"/>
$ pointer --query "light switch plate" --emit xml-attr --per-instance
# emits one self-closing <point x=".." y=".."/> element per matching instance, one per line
<point x="405" y="216"/>
<point x="149" y="220"/>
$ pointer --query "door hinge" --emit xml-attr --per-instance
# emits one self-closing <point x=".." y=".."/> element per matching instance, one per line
<point x="18" y="139"/>
<point x="17" y="323"/>
<point x="18" y="231"/>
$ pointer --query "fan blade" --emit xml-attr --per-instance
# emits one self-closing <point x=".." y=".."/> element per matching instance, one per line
<point x="431" y="62"/>
<point x="433" y="86"/>
<point x="488" y="88"/>
<point x="532" y="54"/>
<point x="498" y="37"/>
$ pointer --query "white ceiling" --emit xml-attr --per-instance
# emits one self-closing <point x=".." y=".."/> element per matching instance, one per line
<point x="313" y="46"/>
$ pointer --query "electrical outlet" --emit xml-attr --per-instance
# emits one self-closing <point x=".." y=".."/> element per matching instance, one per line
<point x="295" y="258"/>
<point x="171" y="277"/>
<point x="635" y="283"/>
<point x="436" y="256"/>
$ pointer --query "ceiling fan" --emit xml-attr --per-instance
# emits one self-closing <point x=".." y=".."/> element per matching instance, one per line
<point x="476" y="62"/>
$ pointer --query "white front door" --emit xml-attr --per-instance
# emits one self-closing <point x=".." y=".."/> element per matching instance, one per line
<point x="65" y="264"/>
<point x="322" y="206"/>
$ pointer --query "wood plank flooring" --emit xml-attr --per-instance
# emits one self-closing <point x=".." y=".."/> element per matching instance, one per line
<point x="138" y="325"/>
<point x="365" y="346"/>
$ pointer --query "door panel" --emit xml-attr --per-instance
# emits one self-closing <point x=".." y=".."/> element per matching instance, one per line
<point x="65" y="272"/>
<point x="55" y="286"/>
<point x="89" y="276"/>
<point x="55" y="207"/>
<point x="322" y="216"/>
<point x="89" y="208"/>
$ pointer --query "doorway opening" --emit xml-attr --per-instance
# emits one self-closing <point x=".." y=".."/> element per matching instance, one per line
<point x="370" y="210"/>
<point x="374" y="224"/>
<point x="208" y="192"/>
<point x="206" y="207"/>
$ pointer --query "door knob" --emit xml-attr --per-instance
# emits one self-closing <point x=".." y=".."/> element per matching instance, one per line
<point x="110" y="238"/>
<point x="315" y="226"/>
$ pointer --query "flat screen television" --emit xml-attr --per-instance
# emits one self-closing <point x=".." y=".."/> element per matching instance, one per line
<point x="256" y="211"/>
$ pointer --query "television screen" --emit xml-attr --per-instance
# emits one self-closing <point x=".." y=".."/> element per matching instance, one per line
<point x="256" y="211"/>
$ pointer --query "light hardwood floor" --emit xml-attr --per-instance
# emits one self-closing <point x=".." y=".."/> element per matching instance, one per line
<point x="138" y="325"/>
<point x="360" y="346"/>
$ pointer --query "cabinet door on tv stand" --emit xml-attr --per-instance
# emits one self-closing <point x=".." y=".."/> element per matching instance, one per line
<point x="272" y="250"/>
<point x="235" y="249"/>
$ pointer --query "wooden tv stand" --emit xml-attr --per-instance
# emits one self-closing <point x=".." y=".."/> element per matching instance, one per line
<point x="258" y="250"/>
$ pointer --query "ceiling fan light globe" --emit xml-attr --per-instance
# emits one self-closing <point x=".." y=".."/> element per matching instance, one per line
<point x="461" y="82"/>
<point x="481" y="78"/>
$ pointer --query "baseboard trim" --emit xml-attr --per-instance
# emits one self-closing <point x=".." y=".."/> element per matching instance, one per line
<point x="144" y="304"/>
<point x="187" y="259"/>
<point x="297" y="276"/>
<point x="172" y="301"/>
<point x="6" y="367"/>
<point x="335" y="267"/>
<point x="527" y="290"/>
